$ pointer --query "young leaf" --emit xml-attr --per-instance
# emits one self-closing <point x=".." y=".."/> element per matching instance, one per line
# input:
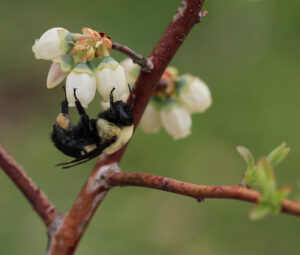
<point x="259" y="211"/>
<point x="267" y="168"/>
<point x="250" y="178"/>
<point x="278" y="154"/>
<point x="247" y="156"/>
<point x="279" y="196"/>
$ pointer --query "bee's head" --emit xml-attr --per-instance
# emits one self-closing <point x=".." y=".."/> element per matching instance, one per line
<point x="120" y="111"/>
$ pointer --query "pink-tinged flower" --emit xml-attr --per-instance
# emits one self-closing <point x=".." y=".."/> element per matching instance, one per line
<point x="55" y="75"/>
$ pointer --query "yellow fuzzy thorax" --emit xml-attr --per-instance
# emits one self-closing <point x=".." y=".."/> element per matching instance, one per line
<point x="108" y="130"/>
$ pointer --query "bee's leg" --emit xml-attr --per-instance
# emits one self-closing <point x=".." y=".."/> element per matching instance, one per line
<point x="64" y="107"/>
<point x="63" y="118"/>
<point x="85" y="120"/>
<point x="112" y="104"/>
<point x="79" y="107"/>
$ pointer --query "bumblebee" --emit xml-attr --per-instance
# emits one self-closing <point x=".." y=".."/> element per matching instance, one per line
<point x="90" y="137"/>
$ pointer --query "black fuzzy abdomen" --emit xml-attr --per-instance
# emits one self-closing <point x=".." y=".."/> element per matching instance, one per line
<point x="65" y="143"/>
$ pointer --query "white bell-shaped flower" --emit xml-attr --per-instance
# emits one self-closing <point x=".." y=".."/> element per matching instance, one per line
<point x="83" y="80"/>
<point x="176" y="119"/>
<point x="53" y="43"/>
<point x="131" y="69"/>
<point x="55" y="75"/>
<point x="150" y="121"/>
<point x="110" y="74"/>
<point x="194" y="94"/>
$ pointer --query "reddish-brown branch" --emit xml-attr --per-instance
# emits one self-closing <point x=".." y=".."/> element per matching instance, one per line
<point x="67" y="231"/>
<point x="66" y="237"/>
<point x="192" y="190"/>
<point x="186" y="17"/>
<point x="145" y="63"/>
<point x="30" y="190"/>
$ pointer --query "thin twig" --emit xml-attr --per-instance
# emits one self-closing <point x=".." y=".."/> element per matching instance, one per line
<point x="145" y="63"/>
<point x="192" y="190"/>
<point x="30" y="190"/>
<point x="65" y="238"/>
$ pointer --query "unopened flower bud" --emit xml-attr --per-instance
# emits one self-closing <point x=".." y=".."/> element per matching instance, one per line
<point x="150" y="121"/>
<point x="176" y="119"/>
<point x="131" y="69"/>
<point x="110" y="74"/>
<point x="55" y="75"/>
<point x="83" y="80"/>
<point x="173" y="71"/>
<point x="53" y="43"/>
<point x="193" y="93"/>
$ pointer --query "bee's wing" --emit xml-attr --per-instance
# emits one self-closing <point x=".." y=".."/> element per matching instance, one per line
<point x="88" y="156"/>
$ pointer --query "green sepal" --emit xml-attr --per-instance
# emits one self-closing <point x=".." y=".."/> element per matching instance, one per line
<point x="83" y="68"/>
<point x="65" y="38"/>
<point x="108" y="62"/>
<point x="182" y="83"/>
<point x="91" y="65"/>
<point x="157" y="102"/>
<point x="169" y="104"/>
<point x="66" y="62"/>
<point x="278" y="154"/>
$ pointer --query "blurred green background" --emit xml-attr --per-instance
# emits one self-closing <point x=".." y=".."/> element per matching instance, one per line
<point x="246" y="51"/>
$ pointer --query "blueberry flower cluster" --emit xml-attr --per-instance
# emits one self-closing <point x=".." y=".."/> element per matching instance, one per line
<point x="176" y="98"/>
<point x="73" y="58"/>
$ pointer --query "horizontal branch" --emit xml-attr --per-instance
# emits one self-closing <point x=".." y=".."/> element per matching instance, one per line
<point x="30" y="190"/>
<point x="192" y="190"/>
<point x="145" y="63"/>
